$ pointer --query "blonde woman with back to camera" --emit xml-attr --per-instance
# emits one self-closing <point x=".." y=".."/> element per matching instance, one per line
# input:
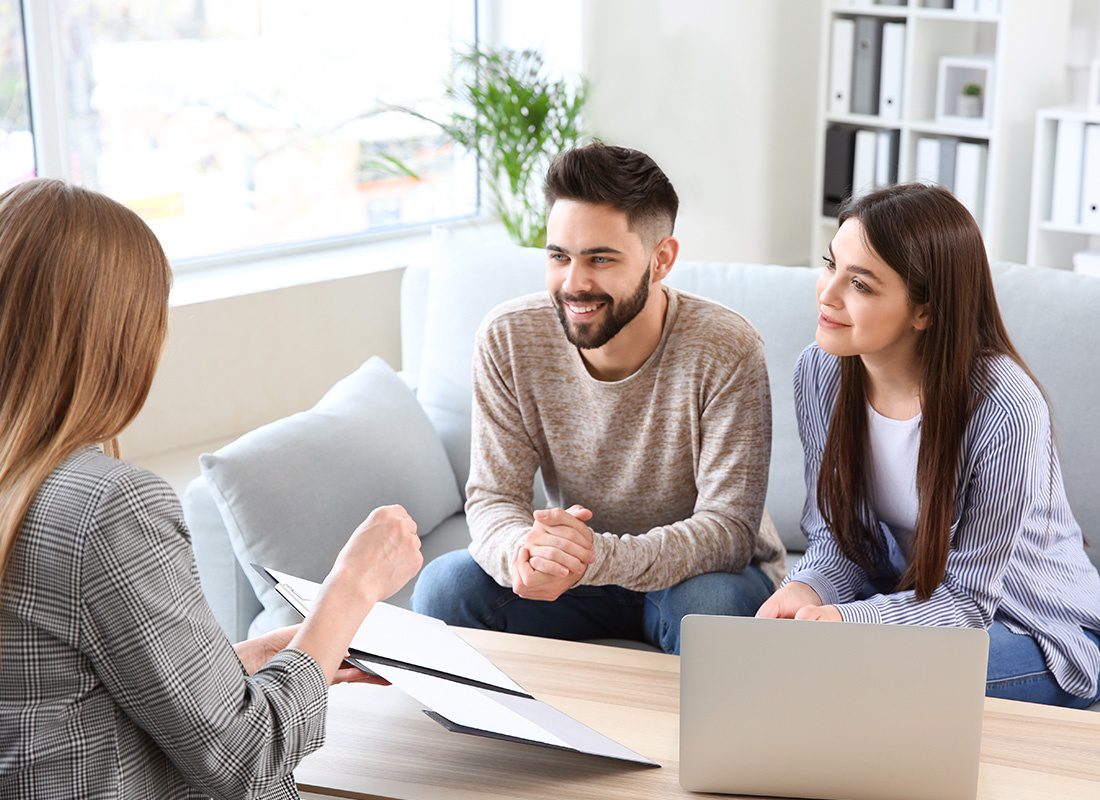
<point x="115" y="680"/>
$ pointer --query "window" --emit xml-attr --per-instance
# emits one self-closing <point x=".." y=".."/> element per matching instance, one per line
<point x="16" y="143"/>
<point x="237" y="125"/>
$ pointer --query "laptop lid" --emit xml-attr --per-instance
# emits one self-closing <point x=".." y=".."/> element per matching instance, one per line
<point x="830" y="709"/>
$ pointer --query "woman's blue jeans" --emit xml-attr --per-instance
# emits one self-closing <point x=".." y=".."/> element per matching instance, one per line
<point x="1017" y="671"/>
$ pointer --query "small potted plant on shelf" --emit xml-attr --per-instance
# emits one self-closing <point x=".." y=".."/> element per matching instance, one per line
<point x="970" y="101"/>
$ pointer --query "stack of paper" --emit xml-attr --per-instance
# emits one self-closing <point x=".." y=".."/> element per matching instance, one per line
<point x="465" y="691"/>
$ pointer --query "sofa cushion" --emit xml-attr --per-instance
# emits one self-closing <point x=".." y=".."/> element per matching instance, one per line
<point x="290" y="493"/>
<point x="1050" y="315"/>
<point x="227" y="590"/>
<point x="465" y="284"/>
<point x="781" y="304"/>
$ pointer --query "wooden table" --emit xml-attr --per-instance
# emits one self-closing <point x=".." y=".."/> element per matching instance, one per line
<point x="381" y="745"/>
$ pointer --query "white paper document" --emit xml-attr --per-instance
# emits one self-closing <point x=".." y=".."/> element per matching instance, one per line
<point x="465" y="691"/>
<point x="396" y="634"/>
<point x="486" y="712"/>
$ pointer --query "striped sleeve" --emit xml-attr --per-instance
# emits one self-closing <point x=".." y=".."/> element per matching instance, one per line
<point x="1002" y="488"/>
<point x="824" y="568"/>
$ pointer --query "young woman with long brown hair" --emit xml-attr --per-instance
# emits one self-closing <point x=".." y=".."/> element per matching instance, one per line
<point x="115" y="680"/>
<point x="934" y="492"/>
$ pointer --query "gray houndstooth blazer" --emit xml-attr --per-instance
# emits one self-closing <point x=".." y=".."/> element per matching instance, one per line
<point x="115" y="680"/>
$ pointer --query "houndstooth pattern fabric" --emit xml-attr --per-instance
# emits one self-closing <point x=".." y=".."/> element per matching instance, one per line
<point x="115" y="679"/>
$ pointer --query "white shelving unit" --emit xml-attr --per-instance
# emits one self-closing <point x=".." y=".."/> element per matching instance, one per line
<point x="1024" y="41"/>
<point x="1050" y="244"/>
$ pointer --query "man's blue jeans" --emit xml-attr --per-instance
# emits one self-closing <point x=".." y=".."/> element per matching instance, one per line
<point x="455" y="589"/>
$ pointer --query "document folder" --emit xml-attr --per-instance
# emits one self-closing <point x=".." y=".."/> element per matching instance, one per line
<point x="462" y="689"/>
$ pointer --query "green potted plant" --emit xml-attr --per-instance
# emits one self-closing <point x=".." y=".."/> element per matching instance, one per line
<point x="517" y="119"/>
<point x="970" y="101"/>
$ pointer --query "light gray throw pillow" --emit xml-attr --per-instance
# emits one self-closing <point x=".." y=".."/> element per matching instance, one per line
<point x="291" y="493"/>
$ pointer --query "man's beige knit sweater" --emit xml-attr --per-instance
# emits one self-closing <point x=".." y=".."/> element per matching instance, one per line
<point x="672" y="461"/>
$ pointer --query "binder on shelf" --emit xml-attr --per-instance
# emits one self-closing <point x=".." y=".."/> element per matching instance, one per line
<point x="970" y="165"/>
<point x="1090" y="179"/>
<point x="840" y="145"/>
<point x="840" y="72"/>
<point x="893" y="69"/>
<point x="463" y="690"/>
<point x="866" y="65"/>
<point x="1065" y="204"/>
<point x="928" y="160"/>
<point x="863" y="169"/>
<point x="948" y="146"/>
<point x="1087" y="262"/>
<point x="886" y="158"/>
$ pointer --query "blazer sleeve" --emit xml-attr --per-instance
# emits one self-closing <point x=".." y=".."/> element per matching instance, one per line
<point x="824" y="568"/>
<point x="152" y="640"/>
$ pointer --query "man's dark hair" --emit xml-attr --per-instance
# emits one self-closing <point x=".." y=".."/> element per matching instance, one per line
<point x="625" y="179"/>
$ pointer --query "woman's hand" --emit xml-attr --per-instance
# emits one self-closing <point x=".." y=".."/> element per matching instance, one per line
<point x="378" y="559"/>
<point x="349" y="674"/>
<point x="789" y="601"/>
<point x="256" y="652"/>
<point x="820" y="613"/>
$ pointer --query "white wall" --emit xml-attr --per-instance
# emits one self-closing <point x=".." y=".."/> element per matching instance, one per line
<point x="232" y="365"/>
<point x="722" y="94"/>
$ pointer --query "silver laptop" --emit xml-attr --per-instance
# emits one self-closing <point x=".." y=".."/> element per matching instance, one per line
<point x="830" y="709"/>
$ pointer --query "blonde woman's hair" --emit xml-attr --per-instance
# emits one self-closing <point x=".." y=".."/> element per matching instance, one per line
<point x="83" y="317"/>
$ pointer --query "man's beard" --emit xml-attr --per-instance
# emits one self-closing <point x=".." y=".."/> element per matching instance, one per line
<point x="589" y="335"/>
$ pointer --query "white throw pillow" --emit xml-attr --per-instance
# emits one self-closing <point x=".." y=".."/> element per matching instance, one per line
<point x="291" y="493"/>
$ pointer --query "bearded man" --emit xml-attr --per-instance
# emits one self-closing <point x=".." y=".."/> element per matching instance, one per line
<point x="647" y="410"/>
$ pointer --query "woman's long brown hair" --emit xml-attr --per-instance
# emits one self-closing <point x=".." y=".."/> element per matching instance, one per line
<point x="83" y="317"/>
<point x="929" y="238"/>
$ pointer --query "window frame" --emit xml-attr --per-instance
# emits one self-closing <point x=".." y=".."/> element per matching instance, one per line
<point x="41" y="37"/>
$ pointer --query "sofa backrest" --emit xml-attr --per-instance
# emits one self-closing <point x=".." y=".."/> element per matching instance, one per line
<point x="1052" y="317"/>
<point x="1047" y="312"/>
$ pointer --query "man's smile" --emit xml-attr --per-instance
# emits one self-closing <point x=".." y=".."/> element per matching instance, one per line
<point x="580" y="313"/>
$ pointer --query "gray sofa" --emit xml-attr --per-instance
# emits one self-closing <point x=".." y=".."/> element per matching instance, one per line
<point x="1050" y="314"/>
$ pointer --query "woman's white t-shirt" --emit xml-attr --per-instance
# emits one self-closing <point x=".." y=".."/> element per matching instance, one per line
<point x="895" y="444"/>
